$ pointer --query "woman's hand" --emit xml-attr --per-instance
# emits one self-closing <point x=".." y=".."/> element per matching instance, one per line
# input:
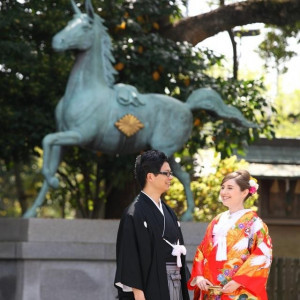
<point x="202" y="283"/>
<point x="138" y="294"/>
<point x="230" y="287"/>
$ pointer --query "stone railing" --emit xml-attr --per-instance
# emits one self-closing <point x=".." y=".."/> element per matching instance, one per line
<point x="56" y="259"/>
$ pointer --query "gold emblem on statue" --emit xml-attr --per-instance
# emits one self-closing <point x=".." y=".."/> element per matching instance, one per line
<point x="129" y="125"/>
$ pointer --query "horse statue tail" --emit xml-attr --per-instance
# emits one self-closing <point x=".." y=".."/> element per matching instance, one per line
<point x="211" y="101"/>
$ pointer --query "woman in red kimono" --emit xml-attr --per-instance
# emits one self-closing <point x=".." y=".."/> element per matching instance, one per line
<point x="233" y="260"/>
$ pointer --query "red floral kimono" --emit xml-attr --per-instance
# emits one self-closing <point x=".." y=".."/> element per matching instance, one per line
<point x="249" y="253"/>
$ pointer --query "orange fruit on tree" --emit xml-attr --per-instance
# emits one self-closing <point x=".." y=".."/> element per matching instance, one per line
<point x="155" y="75"/>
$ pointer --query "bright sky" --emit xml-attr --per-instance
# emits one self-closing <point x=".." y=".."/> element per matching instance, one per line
<point x="249" y="59"/>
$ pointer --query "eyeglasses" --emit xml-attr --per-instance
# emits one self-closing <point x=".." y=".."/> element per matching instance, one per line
<point x="166" y="173"/>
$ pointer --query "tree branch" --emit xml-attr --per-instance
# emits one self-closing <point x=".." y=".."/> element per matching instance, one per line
<point x="198" y="28"/>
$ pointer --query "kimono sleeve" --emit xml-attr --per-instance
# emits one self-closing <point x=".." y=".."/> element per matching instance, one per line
<point x="129" y="272"/>
<point x="253" y="274"/>
<point x="198" y="262"/>
<point x="197" y="269"/>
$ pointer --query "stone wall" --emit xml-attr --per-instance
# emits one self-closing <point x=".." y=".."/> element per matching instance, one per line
<point x="55" y="259"/>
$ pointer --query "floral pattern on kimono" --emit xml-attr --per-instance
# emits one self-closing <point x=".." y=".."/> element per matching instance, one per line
<point x="249" y="256"/>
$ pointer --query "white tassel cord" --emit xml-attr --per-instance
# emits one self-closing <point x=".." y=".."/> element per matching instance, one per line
<point x="177" y="251"/>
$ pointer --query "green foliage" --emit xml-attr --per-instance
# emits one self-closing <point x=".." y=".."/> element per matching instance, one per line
<point x="288" y="115"/>
<point x="274" y="49"/>
<point x="28" y="75"/>
<point x="87" y="180"/>
<point x="31" y="82"/>
<point x="33" y="79"/>
<point x="148" y="60"/>
<point x="206" y="191"/>
<point x="82" y="192"/>
<point x="15" y="179"/>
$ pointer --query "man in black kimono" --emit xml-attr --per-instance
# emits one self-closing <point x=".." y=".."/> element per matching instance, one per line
<point x="150" y="252"/>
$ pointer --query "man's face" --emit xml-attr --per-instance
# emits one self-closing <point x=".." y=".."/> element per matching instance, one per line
<point x="161" y="182"/>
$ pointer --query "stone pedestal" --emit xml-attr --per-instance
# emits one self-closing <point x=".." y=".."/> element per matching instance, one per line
<point x="55" y="259"/>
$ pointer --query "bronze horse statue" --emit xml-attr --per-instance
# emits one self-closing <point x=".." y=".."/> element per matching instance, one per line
<point x="98" y="114"/>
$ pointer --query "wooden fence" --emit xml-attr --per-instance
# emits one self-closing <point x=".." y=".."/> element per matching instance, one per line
<point x="284" y="279"/>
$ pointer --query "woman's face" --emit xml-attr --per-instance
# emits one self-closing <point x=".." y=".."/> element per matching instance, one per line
<point x="232" y="196"/>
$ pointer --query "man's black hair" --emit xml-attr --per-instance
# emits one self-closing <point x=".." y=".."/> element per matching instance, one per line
<point x="150" y="161"/>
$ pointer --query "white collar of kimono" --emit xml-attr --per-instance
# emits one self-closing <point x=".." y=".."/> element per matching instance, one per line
<point x="158" y="205"/>
<point x="221" y="229"/>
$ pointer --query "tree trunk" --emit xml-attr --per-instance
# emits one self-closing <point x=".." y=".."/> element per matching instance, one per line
<point x="19" y="186"/>
<point x="99" y="205"/>
<point x="119" y="199"/>
<point x="235" y="58"/>
<point x="198" y="28"/>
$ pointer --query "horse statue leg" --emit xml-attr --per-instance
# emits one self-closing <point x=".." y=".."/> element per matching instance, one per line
<point x="184" y="178"/>
<point x="31" y="211"/>
<point x="54" y="163"/>
<point x="52" y="146"/>
<point x="55" y="157"/>
<point x="51" y="159"/>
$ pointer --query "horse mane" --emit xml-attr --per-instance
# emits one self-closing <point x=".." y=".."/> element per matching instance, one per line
<point x="108" y="59"/>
